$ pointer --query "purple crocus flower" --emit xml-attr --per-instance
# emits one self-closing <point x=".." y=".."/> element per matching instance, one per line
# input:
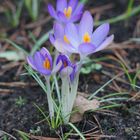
<point x="59" y="36"/>
<point x="83" y="40"/>
<point x="66" y="11"/>
<point x="67" y="68"/>
<point x="41" y="61"/>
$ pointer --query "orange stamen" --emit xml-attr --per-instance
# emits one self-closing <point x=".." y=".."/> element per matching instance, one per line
<point x="46" y="64"/>
<point x="86" y="38"/>
<point x="66" y="39"/>
<point x="68" y="12"/>
<point x="65" y="64"/>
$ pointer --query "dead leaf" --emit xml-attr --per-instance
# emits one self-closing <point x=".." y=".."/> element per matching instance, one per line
<point x="83" y="105"/>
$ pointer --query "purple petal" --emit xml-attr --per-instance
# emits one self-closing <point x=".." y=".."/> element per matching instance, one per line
<point x="70" y="49"/>
<point x="38" y="60"/>
<point x="61" y="5"/>
<point x="46" y="54"/>
<point x="72" y="76"/>
<point x="65" y="61"/>
<point x="44" y="71"/>
<point x="73" y="4"/>
<point x="31" y="62"/>
<point x="72" y="34"/>
<point x="86" y="24"/>
<point x="107" y="41"/>
<point x="86" y="49"/>
<point x="59" y="45"/>
<point x="57" y="67"/>
<point x="75" y="18"/>
<point x="79" y="9"/>
<point x="100" y="34"/>
<point x="58" y="30"/>
<point x="62" y="17"/>
<point x="52" y="39"/>
<point x="52" y="11"/>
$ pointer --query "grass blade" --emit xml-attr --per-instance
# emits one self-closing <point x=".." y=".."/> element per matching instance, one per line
<point x="97" y="91"/>
<point x="42" y="40"/>
<point x="78" y="132"/>
<point x="17" y="46"/>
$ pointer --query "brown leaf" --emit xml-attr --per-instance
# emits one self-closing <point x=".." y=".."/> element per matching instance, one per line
<point x="83" y="105"/>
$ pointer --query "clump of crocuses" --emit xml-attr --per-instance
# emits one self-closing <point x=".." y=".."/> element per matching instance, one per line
<point x="69" y="39"/>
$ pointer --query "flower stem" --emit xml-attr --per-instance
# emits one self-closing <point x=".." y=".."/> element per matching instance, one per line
<point x="65" y="94"/>
<point x="57" y="88"/>
<point x="49" y="98"/>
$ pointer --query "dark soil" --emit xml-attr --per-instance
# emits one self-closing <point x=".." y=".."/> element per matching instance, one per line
<point x="125" y="125"/>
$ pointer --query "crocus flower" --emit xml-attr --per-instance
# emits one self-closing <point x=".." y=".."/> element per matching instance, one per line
<point x="83" y="40"/>
<point x="41" y="61"/>
<point x="67" y="68"/>
<point x="59" y="36"/>
<point x="66" y="11"/>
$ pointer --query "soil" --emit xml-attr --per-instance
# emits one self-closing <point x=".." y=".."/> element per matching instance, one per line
<point x="122" y="124"/>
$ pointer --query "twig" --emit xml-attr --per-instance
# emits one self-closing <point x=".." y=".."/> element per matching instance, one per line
<point x="3" y="132"/>
<point x="17" y="84"/>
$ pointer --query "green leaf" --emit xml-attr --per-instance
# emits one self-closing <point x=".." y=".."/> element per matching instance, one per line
<point x="90" y="68"/>
<point x="12" y="55"/>
<point x="78" y="132"/>
<point x="17" y="46"/>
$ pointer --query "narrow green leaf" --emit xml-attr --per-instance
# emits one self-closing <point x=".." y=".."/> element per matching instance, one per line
<point x="17" y="46"/>
<point x="78" y="132"/>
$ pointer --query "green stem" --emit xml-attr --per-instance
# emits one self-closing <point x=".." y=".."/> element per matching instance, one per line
<point x="130" y="5"/>
<point x="57" y="88"/>
<point x="49" y="98"/>
<point x="65" y="93"/>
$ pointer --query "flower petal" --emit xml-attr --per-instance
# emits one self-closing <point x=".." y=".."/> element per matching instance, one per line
<point x="107" y="41"/>
<point x="78" y="9"/>
<point x="70" y="49"/>
<point x="75" y="17"/>
<point x="58" y="30"/>
<point x="52" y="11"/>
<point x="30" y="61"/>
<point x="72" y="75"/>
<point x="73" y="4"/>
<point x="59" y="45"/>
<point x="72" y="34"/>
<point x="86" y="49"/>
<point x="46" y="54"/>
<point x="86" y="24"/>
<point x="62" y="17"/>
<point x="52" y="39"/>
<point x="57" y="67"/>
<point x="44" y="71"/>
<point x="100" y="34"/>
<point x="65" y="61"/>
<point x="61" y="5"/>
<point x="38" y="60"/>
